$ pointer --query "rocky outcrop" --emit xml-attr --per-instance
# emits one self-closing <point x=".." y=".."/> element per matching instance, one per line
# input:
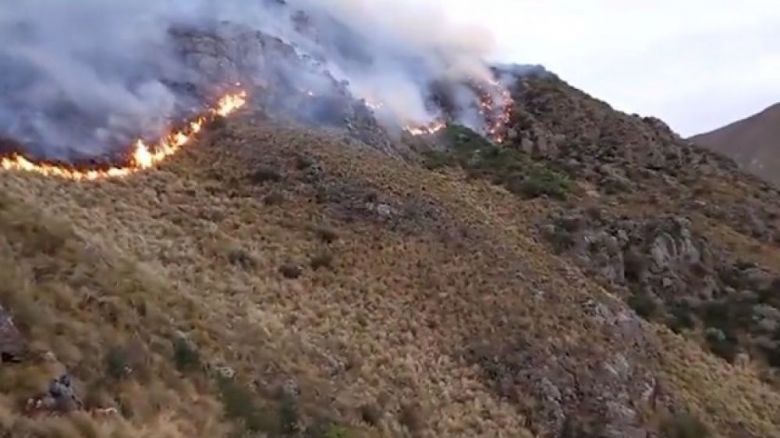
<point x="262" y="63"/>
<point x="619" y="152"/>
<point x="574" y="388"/>
<point x="669" y="273"/>
<point x="60" y="398"/>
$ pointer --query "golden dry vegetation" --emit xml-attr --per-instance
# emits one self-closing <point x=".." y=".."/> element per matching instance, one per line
<point x="272" y="279"/>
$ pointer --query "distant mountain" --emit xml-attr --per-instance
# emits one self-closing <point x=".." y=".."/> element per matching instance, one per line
<point x="754" y="143"/>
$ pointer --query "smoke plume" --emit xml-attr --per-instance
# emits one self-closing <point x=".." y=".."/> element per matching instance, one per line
<point x="84" y="77"/>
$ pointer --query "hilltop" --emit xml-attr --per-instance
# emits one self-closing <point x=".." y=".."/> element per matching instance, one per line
<point x="754" y="143"/>
<point x="594" y="276"/>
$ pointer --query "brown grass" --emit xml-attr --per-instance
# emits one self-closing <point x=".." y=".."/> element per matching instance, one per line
<point x="195" y="249"/>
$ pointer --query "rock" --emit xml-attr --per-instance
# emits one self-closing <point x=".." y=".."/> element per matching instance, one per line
<point x="757" y="279"/>
<point x="226" y="372"/>
<point x="12" y="344"/>
<point x="60" y="398"/>
<point x="385" y="211"/>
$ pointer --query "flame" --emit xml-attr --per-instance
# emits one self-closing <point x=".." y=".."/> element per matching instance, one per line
<point x="495" y="105"/>
<point x="496" y="108"/>
<point x="142" y="156"/>
<point x="429" y="129"/>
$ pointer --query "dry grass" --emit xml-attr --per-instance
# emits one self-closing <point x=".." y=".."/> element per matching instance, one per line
<point x="196" y="249"/>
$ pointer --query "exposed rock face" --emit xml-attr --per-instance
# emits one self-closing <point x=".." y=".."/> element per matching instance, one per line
<point x="263" y="64"/>
<point x="573" y="387"/>
<point x="669" y="273"/>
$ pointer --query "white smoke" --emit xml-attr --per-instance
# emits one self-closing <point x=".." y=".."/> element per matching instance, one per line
<point x="80" y="76"/>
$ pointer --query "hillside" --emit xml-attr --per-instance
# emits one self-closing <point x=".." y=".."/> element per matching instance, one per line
<point x="754" y="143"/>
<point x="596" y="276"/>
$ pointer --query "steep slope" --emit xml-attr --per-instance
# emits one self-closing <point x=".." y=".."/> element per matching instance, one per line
<point x="276" y="279"/>
<point x="754" y="143"/>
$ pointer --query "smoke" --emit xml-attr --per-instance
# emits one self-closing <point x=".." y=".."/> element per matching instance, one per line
<point x="84" y="77"/>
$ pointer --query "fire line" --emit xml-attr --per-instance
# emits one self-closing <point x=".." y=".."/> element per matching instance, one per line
<point x="142" y="156"/>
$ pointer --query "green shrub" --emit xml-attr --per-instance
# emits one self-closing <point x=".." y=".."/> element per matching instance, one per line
<point x="337" y="431"/>
<point x="643" y="304"/>
<point x="541" y="181"/>
<point x="681" y="318"/>
<point x="241" y="405"/>
<point x="289" y="416"/>
<point x="118" y="363"/>
<point x="722" y="344"/>
<point x="325" y="428"/>
<point x="434" y="160"/>
<point x="511" y="168"/>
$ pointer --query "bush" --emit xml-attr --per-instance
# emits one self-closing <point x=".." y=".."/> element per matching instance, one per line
<point x="560" y="239"/>
<point x="434" y="160"/>
<point x="684" y="426"/>
<point x="265" y="174"/>
<point x="681" y="317"/>
<point x="274" y="198"/>
<point x="722" y="344"/>
<point x="289" y="417"/>
<point x="336" y="431"/>
<point x="241" y="258"/>
<point x="322" y="259"/>
<point x="643" y="304"/>
<point x="118" y="363"/>
<point x="290" y="270"/>
<point x="240" y="405"/>
<point x="542" y="181"/>
<point x="185" y="355"/>
<point x="324" y="428"/>
<point x="327" y="235"/>
<point x="773" y="355"/>
<point x="511" y="168"/>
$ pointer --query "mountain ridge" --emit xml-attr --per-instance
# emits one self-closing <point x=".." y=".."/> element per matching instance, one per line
<point x="751" y="141"/>
<point x="595" y="275"/>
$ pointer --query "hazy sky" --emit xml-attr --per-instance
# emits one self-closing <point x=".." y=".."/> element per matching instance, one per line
<point x="697" y="64"/>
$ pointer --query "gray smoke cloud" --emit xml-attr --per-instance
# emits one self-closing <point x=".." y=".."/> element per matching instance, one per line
<point x="81" y="77"/>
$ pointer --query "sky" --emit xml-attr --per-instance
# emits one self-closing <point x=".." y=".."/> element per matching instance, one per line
<point x="696" y="64"/>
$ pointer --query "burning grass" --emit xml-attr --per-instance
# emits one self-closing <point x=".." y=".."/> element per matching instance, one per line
<point x="141" y="157"/>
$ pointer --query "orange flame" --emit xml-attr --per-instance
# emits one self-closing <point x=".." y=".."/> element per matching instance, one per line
<point x="429" y="129"/>
<point x="142" y="156"/>
<point x="495" y="106"/>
